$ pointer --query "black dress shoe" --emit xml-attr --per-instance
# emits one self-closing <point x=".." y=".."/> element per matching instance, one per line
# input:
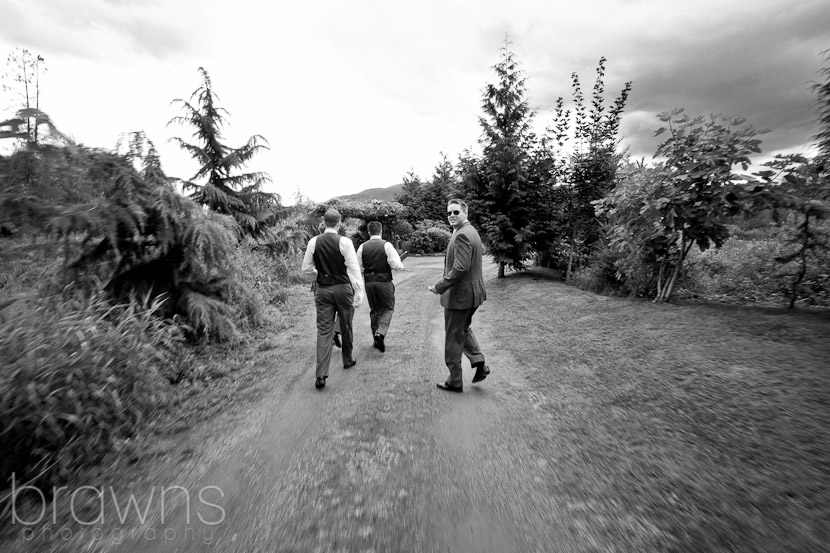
<point x="350" y="364"/>
<point x="449" y="388"/>
<point x="320" y="383"/>
<point x="481" y="373"/>
<point x="337" y="340"/>
<point x="378" y="343"/>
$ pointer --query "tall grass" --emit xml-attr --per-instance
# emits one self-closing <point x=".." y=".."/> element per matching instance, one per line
<point x="745" y="269"/>
<point x="27" y="263"/>
<point x="266" y="275"/>
<point x="77" y="376"/>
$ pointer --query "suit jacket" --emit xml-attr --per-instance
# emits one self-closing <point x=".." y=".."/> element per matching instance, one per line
<point x="463" y="284"/>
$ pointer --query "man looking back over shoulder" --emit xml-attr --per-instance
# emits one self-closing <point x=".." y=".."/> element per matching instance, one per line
<point x="462" y="292"/>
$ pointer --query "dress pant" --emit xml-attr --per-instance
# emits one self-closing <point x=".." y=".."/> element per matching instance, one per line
<point x="330" y="301"/>
<point x="381" y="298"/>
<point x="458" y="339"/>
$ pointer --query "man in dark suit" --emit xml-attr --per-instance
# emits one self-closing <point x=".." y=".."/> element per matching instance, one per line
<point x="331" y="259"/>
<point x="462" y="291"/>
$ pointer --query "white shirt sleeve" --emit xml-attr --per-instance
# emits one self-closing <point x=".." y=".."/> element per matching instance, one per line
<point x="352" y="269"/>
<point x="308" y="259"/>
<point x="392" y="257"/>
<point x="360" y="258"/>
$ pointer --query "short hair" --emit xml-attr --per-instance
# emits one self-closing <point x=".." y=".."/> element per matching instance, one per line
<point x="375" y="228"/>
<point x="462" y="203"/>
<point x="331" y="218"/>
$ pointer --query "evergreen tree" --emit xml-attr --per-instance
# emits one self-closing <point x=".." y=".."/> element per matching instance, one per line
<point x="497" y="186"/>
<point x="437" y="192"/>
<point x="822" y="90"/>
<point x="411" y="197"/>
<point x="141" y="151"/>
<point x="225" y="191"/>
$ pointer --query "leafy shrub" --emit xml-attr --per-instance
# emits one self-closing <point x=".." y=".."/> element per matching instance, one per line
<point x="137" y="236"/>
<point x="608" y="272"/>
<point x="26" y="264"/>
<point x="265" y="274"/>
<point x="746" y="270"/>
<point x="78" y="376"/>
<point x="432" y="223"/>
<point x="429" y="240"/>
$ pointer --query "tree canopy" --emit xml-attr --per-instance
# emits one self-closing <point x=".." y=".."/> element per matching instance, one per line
<point x="223" y="188"/>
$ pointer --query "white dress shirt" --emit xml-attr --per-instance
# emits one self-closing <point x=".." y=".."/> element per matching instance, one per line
<point x="352" y="267"/>
<point x="392" y="256"/>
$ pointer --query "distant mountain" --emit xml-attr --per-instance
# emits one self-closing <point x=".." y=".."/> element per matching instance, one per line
<point x="384" y="194"/>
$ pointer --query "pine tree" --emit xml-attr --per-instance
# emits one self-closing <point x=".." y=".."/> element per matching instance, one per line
<point x="438" y="191"/>
<point x="226" y="191"/>
<point x="498" y="189"/>
<point x="411" y="197"/>
<point x="822" y="91"/>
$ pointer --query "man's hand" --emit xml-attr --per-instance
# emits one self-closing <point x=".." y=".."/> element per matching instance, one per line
<point x="432" y="289"/>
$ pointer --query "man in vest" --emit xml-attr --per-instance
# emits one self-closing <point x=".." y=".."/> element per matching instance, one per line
<point x="321" y="228"/>
<point x="331" y="259"/>
<point x="462" y="292"/>
<point x="377" y="258"/>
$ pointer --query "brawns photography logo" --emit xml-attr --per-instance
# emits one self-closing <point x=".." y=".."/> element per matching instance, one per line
<point x="161" y="513"/>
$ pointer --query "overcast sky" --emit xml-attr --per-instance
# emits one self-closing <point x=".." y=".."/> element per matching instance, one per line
<point x="352" y="94"/>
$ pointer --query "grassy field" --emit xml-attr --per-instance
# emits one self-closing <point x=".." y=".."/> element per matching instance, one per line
<point x="710" y="422"/>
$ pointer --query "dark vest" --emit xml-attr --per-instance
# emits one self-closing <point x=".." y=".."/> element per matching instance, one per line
<point x="375" y="266"/>
<point x="329" y="262"/>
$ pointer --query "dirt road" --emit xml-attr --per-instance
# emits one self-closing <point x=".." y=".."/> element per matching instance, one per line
<point x="379" y="460"/>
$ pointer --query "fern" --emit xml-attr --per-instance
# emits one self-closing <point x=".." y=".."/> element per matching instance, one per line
<point x="212" y="317"/>
<point x="140" y="237"/>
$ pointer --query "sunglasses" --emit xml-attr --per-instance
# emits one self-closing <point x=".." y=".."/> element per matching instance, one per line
<point x="453" y="212"/>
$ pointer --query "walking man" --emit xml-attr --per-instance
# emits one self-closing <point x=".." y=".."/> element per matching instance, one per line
<point x="321" y="228"/>
<point x="331" y="259"/>
<point x="462" y="291"/>
<point x="377" y="258"/>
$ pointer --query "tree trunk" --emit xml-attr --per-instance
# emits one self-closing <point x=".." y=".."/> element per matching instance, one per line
<point x="803" y="261"/>
<point x="660" y="282"/>
<point x="684" y="249"/>
<point x="501" y="269"/>
<point x="571" y="256"/>
<point x="670" y="286"/>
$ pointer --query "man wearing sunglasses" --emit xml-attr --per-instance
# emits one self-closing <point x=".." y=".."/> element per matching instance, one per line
<point x="462" y="291"/>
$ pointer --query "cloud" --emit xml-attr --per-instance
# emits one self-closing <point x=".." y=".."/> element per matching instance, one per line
<point x="352" y="95"/>
<point x="748" y="59"/>
<point x="108" y="30"/>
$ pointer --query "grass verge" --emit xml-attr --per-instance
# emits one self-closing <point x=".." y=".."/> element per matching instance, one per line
<point x="707" y="424"/>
